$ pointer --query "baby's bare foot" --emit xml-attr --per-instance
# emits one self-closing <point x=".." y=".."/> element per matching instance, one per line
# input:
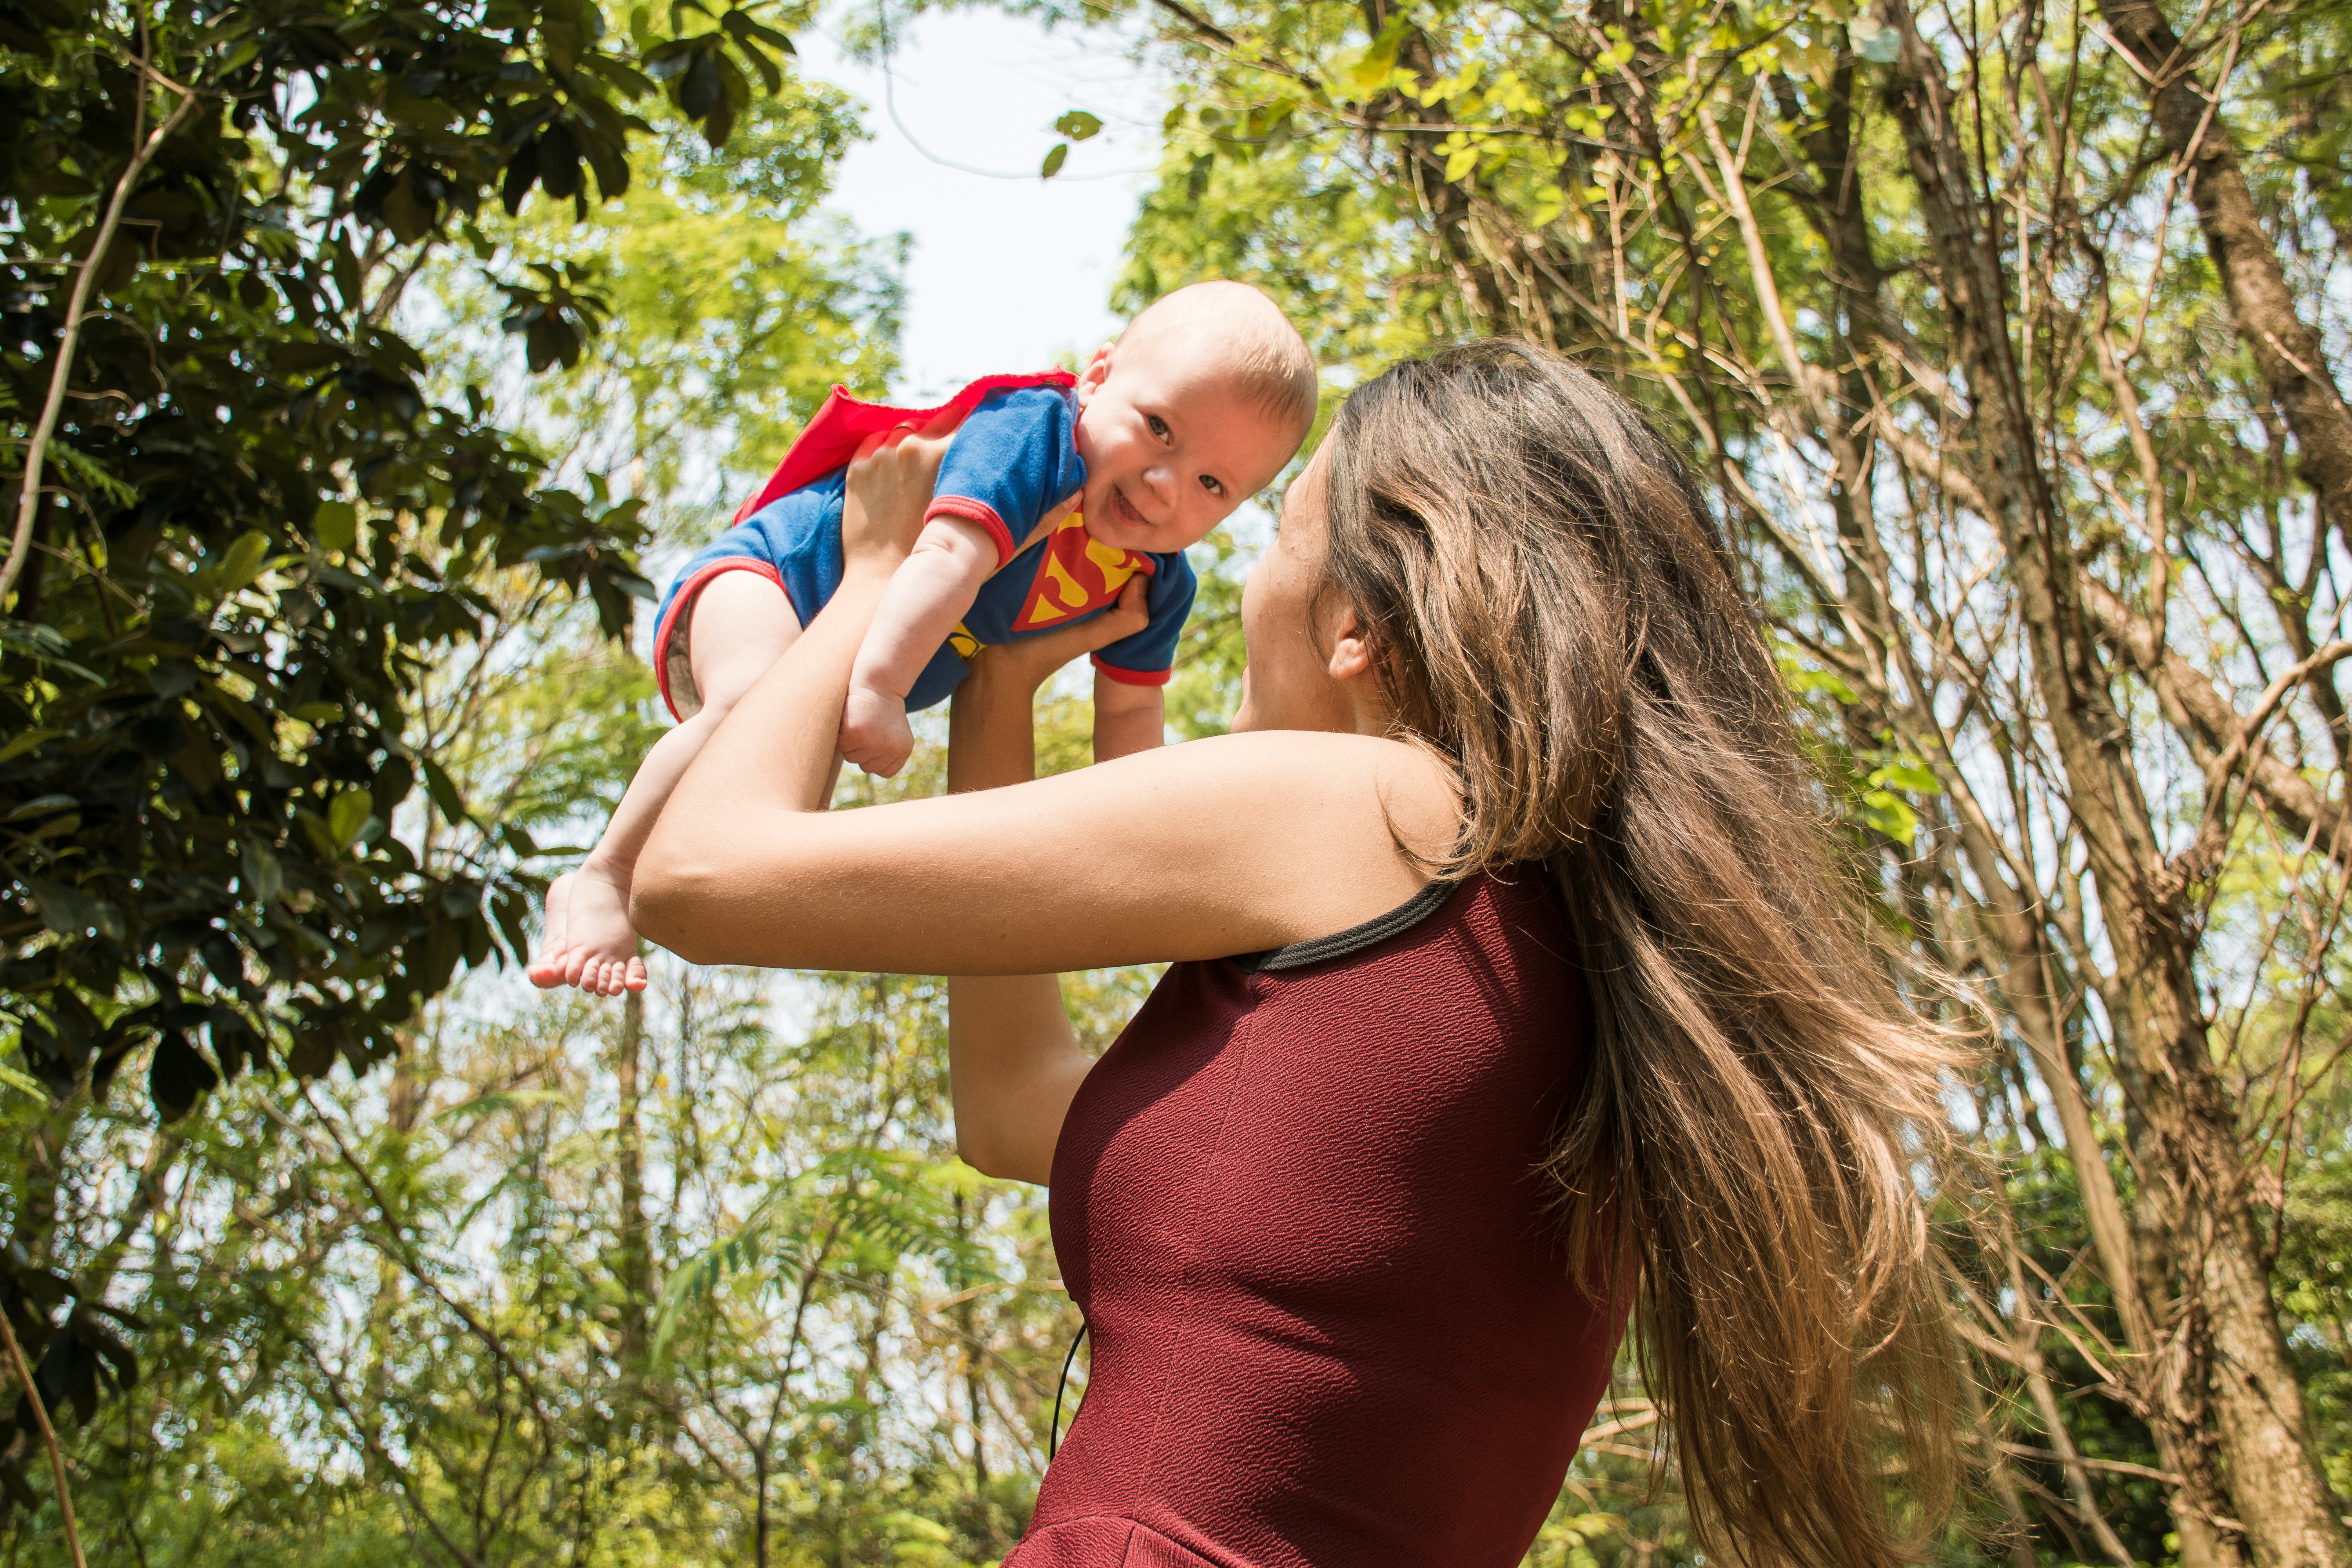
<point x="874" y="734"/>
<point x="546" y="971"/>
<point x="599" y="953"/>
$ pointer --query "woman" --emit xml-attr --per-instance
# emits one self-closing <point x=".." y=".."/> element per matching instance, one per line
<point x="1511" y="984"/>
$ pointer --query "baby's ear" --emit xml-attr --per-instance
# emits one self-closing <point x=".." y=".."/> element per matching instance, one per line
<point x="1097" y="371"/>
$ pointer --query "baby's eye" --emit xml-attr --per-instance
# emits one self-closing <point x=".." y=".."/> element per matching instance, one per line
<point x="1158" y="425"/>
<point x="1211" y="483"/>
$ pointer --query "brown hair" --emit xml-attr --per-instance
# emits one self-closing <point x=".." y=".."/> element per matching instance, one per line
<point x="1555" y="612"/>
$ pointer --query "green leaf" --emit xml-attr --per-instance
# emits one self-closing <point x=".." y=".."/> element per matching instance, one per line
<point x="79" y="464"/>
<point x="508" y="912"/>
<point x="772" y="38"/>
<point x="24" y="741"/>
<point x="347" y="817"/>
<point x="770" y="75"/>
<point x="1891" y="815"/>
<point x="1371" y="73"/>
<point x="43" y="645"/>
<point x="243" y="562"/>
<point x="264" y="877"/>
<point x="335" y="525"/>
<point x="23" y="1082"/>
<point x="1054" y="159"/>
<point x="560" y="36"/>
<point x="443" y="790"/>
<point x="1908" y="773"/>
<point x="64" y="908"/>
<point x="1077" y="124"/>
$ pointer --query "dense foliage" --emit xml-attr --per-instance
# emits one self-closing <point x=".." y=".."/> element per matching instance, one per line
<point x="2007" y="333"/>
<point x="251" y="524"/>
<point x="2012" y="335"/>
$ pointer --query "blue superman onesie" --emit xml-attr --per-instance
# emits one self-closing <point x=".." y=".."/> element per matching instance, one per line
<point x="1014" y="460"/>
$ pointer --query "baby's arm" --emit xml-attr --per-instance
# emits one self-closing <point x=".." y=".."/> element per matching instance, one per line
<point x="1128" y="718"/>
<point x="932" y="590"/>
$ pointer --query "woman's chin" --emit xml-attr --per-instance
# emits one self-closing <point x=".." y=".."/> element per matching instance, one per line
<point x="1246" y="713"/>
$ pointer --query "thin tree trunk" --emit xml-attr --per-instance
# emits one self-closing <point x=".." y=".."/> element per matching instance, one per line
<point x="2193" y="1205"/>
<point x="759" y="1508"/>
<point x="401" y="1100"/>
<point x="2201" y="716"/>
<point x="975" y="1402"/>
<point x="636" y="1265"/>
<point x="2286" y="350"/>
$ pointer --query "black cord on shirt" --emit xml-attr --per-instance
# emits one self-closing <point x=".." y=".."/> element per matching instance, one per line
<point x="1053" y="1434"/>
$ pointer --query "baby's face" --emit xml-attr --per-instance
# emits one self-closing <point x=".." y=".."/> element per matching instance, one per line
<point x="1170" y="450"/>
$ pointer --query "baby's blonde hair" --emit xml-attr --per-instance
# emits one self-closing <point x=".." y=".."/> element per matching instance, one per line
<point x="1264" y="357"/>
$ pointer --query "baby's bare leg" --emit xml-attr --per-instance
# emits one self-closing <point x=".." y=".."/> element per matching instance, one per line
<point x="742" y="623"/>
<point x="930" y="592"/>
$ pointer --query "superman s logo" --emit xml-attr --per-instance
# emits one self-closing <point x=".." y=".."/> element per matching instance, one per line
<point x="1076" y="574"/>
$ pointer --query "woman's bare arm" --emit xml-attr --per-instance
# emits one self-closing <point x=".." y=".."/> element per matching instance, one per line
<point x="1014" y="1063"/>
<point x="1194" y="851"/>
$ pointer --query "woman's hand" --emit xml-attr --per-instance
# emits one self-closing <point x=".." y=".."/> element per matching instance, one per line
<point x="994" y="728"/>
<point x="994" y="723"/>
<point x="1027" y="663"/>
<point x="992" y="734"/>
<point x="889" y="488"/>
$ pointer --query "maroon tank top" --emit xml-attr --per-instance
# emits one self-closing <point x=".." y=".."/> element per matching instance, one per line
<point x="1297" y="1203"/>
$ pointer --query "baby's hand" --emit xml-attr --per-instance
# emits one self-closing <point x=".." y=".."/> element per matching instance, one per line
<point x="874" y="734"/>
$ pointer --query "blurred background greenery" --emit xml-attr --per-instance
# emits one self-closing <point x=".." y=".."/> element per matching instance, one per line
<point x="357" y="396"/>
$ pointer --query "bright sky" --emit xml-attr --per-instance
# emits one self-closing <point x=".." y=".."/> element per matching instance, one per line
<point x="1007" y="273"/>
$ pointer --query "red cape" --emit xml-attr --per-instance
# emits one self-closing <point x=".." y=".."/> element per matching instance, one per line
<point x="832" y="438"/>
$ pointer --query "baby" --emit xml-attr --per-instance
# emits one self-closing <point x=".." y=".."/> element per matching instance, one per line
<point x="1056" y="492"/>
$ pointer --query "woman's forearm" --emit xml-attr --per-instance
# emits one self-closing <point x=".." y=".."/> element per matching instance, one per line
<point x="1014" y="1060"/>
<point x="773" y="757"/>
<point x="749" y="798"/>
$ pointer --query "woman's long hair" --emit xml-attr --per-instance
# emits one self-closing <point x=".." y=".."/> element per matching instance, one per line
<point x="1555" y="612"/>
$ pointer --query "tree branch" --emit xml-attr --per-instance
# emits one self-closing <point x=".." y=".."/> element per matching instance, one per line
<point x="28" y="502"/>
<point x="48" y="1435"/>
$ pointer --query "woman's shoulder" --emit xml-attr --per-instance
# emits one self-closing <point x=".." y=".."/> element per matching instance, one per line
<point x="1410" y="790"/>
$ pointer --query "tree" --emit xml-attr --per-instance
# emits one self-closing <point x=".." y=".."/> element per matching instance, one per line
<point x="2042" y="496"/>
<point x="247" y="528"/>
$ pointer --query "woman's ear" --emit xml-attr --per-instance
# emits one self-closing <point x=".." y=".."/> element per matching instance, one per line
<point x="1351" y="650"/>
<point x="1097" y="371"/>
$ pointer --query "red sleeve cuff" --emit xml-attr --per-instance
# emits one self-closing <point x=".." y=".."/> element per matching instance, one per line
<point x="1133" y="676"/>
<point x="981" y="512"/>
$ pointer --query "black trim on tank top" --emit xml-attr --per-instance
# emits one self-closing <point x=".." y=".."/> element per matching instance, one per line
<point x="1355" y="939"/>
